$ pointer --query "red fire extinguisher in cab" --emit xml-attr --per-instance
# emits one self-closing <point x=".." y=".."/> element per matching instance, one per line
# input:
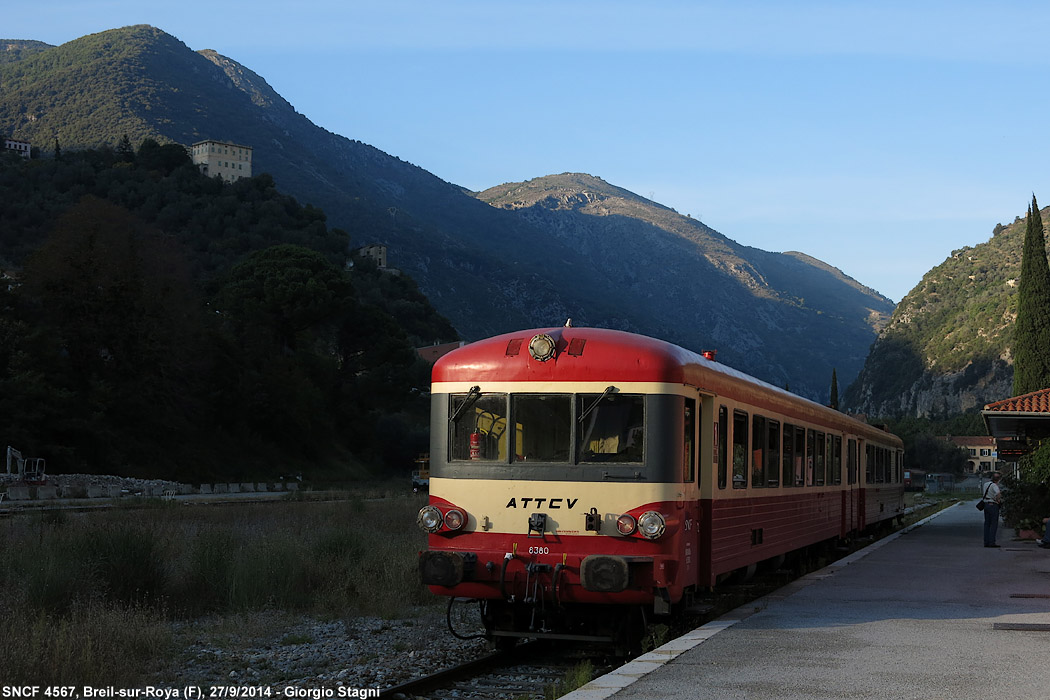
<point x="475" y="445"/>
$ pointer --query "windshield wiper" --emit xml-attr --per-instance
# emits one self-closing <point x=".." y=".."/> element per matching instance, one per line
<point x="608" y="390"/>
<point x="473" y="395"/>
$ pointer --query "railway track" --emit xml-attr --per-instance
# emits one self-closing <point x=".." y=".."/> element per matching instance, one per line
<point x="527" y="671"/>
<point x="531" y="668"/>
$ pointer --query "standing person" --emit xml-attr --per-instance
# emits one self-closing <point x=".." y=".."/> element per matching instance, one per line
<point x="993" y="498"/>
<point x="1044" y="542"/>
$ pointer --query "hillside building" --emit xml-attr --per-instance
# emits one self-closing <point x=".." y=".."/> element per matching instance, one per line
<point x="376" y="253"/>
<point x="981" y="449"/>
<point x="1018" y="424"/>
<point x="22" y="148"/>
<point x="230" y="161"/>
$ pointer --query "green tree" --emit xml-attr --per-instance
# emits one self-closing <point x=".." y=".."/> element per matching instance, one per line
<point x="283" y="307"/>
<point x="935" y="454"/>
<point x="125" y="151"/>
<point x="1031" y="347"/>
<point x="288" y="292"/>
<point x="834" y="402"/>
<point x="119" y="328"/>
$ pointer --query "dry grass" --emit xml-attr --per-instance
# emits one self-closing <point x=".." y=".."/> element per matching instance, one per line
<point x="92" y="596"/>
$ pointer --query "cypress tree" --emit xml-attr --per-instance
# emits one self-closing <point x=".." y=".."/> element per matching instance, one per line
<point x="1031" y="346"/>
<point x="834" y="403"/>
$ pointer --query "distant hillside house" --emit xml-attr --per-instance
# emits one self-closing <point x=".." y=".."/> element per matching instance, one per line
<point x="22" y="148"/>
<point x="230" y="161"/>
<point x="377" y="254"/>
<point x="983" y="457"/>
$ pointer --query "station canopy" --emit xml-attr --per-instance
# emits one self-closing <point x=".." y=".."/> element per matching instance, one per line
<point x="1018" y="423"/>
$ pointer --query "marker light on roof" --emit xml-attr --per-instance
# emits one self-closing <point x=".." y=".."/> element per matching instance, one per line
<point x="541" y="347"/>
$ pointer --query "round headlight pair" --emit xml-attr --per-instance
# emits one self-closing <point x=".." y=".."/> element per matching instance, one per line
<point x="651" y="525"/>
<point x="431" y="520"/>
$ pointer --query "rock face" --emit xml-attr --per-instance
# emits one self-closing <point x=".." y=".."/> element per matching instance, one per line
<point x="785" y="317"/>
<point x="947" y="347"/>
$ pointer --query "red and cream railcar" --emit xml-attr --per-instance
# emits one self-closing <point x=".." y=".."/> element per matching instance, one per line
<point x="579" y="473"/>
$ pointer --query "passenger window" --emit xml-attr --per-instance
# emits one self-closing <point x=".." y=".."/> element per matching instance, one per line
<point x="610" y="428"/>
<point x="836" y="459"/>
<point x="789" y="454"/>
<point x="820" y="463"/>
<point x="811" y="455"/>
<point x="758" y="451"/>
<point x="851" y="461"/>
<point x="739" y="450"/>
<point x="542" y="427"/>
<point x="478" y="427"/>
<point x="722" y="445"/>
<point x="773" y="453"/>
<point x="800" y="455"/>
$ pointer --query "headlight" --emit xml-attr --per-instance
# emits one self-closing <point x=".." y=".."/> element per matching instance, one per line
<point x="454" y="519"/>
<point x="429" y="519"/>
<point x="651" y="524"/>
<point x="542" y="347"/>
<point x="626" y="524"/>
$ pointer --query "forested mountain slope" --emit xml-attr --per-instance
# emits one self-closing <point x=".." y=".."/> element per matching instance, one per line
<point x="490" y="267"/>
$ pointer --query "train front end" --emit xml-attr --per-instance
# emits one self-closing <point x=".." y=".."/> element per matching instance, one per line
<point x="556" y="494"/>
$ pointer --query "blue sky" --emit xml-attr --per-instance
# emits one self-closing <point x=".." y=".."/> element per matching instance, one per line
<point x="878" y="137"/>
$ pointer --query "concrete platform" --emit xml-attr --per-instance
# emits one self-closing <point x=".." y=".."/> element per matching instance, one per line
<point x="928" y="613"/>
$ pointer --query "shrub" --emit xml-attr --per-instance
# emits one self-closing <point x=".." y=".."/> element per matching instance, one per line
<point x="1024" y="502"/>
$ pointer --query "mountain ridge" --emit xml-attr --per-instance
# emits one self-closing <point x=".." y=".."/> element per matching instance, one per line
<point x="489" y="268"/>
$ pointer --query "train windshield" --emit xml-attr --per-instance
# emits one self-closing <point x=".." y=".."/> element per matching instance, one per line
<point x="547" y="428"/>
<point x="612" y="430"/>
<point x="479" y="427"/>
<point x="542" y="427"/>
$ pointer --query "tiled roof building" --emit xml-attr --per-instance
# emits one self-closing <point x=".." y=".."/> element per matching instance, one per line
<point x="1035" y="402"/>
<point x="1018" y="423"/>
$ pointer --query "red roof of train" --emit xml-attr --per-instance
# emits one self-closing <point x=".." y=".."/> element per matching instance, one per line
<point x="583" y="354"/>
<point x="602" y="355"/>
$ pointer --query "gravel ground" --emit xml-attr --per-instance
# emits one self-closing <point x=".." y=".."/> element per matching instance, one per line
<point x="278" y="651"/>
<point x="275" y="651"/>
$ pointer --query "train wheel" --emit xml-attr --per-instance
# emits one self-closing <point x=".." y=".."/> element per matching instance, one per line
<point x="744" y="574"/>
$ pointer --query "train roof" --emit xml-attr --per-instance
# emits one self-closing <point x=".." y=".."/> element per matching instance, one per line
<point x="603" y="355"/>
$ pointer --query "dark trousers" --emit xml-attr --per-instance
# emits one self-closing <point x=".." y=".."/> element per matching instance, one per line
<point x="991" y="522"/>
